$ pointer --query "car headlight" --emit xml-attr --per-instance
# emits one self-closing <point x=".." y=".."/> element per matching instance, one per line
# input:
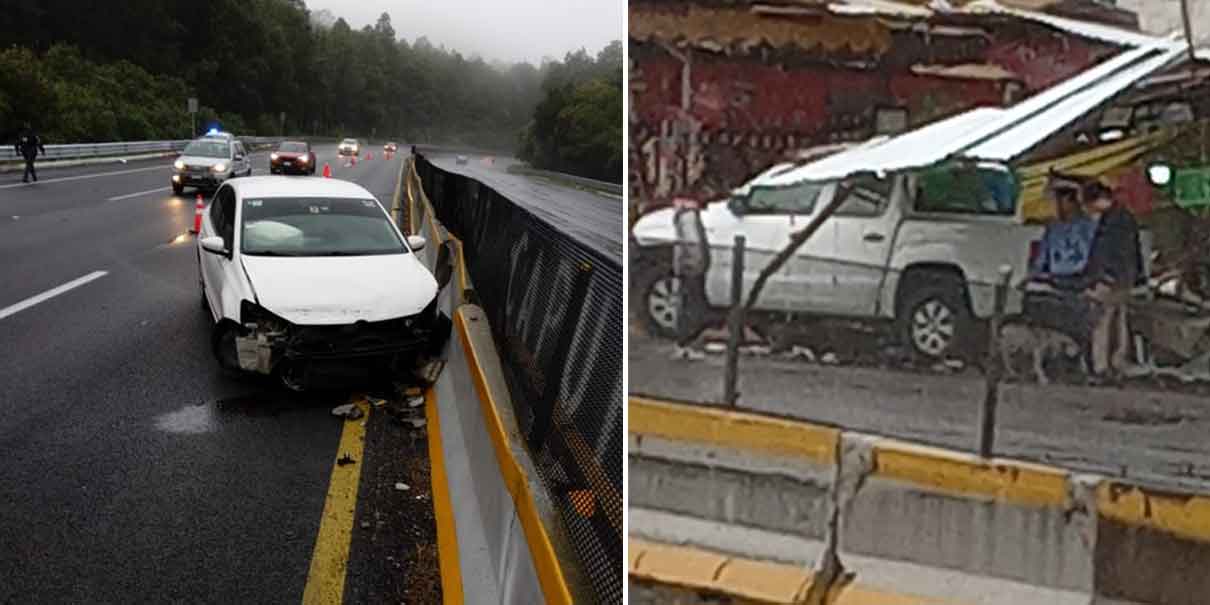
<point x="179" y="165"/>
<point x="273" y="156"/>
<point x="220" y="167"/>
<point x="303" y="159"/>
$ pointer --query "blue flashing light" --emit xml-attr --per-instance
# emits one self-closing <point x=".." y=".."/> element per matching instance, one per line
<point x="213" y="131"/>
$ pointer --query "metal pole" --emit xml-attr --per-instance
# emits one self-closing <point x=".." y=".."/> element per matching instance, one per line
<point x="1188" y="27"/>
<point x="735" y="323"/>
<point x="987" y="415"/>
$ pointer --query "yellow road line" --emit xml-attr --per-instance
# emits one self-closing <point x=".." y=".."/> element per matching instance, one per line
<point x="329" y="560"/>
<point x="443" y="511"/>
<point x="701" y="424"/>
<point x="546" y="564"/>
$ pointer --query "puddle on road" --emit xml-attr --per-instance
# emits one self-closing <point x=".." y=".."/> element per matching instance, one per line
<point x="206" y="417"/>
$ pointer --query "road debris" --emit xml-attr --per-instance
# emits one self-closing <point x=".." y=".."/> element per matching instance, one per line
<point x="756" y="350"/>
<point x="403" y="487"/>
<point x="345" y="460"/>
<point x="800" y="352"/>
<point x="415" y="402"/>
<point x="376" y="402"/>
<point x="348" y="411"/>
<point x="829" y="359"/>
<point x="716" y="348"/>
<point x="687" y="354"/>
<point x="429" y="372"/>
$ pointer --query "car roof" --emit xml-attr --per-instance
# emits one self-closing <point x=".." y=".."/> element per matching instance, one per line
<point x="291" y="186"/>
<point x="294" y="143"/>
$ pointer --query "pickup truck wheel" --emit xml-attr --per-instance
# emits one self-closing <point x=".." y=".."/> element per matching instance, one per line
<point x="177" y="189"/>
<point x="934" y="318"/>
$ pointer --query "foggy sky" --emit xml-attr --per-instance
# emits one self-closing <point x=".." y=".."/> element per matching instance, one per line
<point x="508" y="30"/>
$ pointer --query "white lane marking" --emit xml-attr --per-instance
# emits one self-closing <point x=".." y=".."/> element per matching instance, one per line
<point x="49" y="294"/>
<point x="86" y="176"/>
<point x="130" y="195"/>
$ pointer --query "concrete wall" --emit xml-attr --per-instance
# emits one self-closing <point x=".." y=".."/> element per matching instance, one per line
<point x="909" y="519"/>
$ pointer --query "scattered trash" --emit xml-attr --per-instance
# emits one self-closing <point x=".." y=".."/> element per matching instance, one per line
<point x="365" y="525"/>
<point x="345" y="460"/>
<point x="430" y="371"/>
<point x="415" y="402"/>
<point x="403" y="487"/>
<point x="716" y="348"/>
<point x="687" y="354"/>
<point x="413" y="391"/>
<point x="376" y="402"/>
<point x="830" y="359"/>
<point x="417" y="423"/>
<point x="348" y="411"/>
<point x="800" y="352"/>
<point x="756" y="350"/>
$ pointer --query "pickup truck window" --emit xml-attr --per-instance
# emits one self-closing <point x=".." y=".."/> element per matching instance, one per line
<point x="967" y="190"/>
<point x="795" y="199"/>
<point x="867" y="196"/>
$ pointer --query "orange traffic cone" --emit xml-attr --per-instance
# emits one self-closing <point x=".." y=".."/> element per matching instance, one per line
<point x="197" y="214"/>
<point x="327" y="171"/>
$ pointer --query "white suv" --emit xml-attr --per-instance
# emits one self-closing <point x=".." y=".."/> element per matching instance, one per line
<point x="209" y="161"/>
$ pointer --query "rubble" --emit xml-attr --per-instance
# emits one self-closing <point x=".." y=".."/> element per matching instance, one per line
<point x="348" y="411"/>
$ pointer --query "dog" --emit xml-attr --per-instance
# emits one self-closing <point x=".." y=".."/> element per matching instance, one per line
<point x="1041" y="343"/>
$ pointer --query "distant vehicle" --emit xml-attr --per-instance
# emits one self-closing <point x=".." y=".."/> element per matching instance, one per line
<point x="293" y="157"/>
<point x="390" y="147"/>
<point x="349" y="147"/>
<point x="303" y="277"/>
<point x="462" y="160"/>
<point x="209" y="161"/>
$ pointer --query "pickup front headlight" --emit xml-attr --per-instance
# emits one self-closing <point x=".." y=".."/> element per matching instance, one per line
<point x="273" y="156"/>
<point x="179" y="165"/>
<point x="220" y="167"/>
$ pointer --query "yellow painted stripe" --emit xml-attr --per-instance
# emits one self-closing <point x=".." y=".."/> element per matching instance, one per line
<point x="701" y="424"/>
<point x="329" y="559"/>
<point x="967" y="474"/>
<point x="1183" y="515"/>
<point x="443" y="511"/>
<point x="546" y="564"/>
<point x="747" y="579"/>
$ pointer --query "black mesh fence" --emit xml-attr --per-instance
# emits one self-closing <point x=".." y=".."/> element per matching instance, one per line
<point x="555" y="308"/>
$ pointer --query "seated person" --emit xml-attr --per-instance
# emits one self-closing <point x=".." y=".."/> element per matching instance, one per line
<point x="1061" y="266"/>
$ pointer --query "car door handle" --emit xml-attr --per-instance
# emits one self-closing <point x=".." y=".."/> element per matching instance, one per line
<point x="873" y="237"/>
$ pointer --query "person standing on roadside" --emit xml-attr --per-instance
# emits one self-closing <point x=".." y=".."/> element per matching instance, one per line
<point x="1115" y="266"/>
<point x="28" y="145"/>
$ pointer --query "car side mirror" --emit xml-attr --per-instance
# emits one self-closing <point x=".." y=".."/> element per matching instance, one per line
<point x="239" y="156"/>
<point x="416" y="242"/>
<point x="214" y="245"/>
<point x="737" y="205"/>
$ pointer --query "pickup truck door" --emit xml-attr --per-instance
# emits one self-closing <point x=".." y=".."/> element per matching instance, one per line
<point x="767" y="218"/>
<point x="864" y="231"/>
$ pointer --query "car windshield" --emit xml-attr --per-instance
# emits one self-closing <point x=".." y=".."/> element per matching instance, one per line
<point x="348" y="142"/>
<point x="317" y="227"/>
<point x="293" y="147"/>
<point x="209" y="149"/>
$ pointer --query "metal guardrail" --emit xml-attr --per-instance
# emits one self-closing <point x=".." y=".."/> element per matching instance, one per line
<point x="96" y="150"/>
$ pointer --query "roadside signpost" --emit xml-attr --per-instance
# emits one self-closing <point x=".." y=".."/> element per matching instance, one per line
<point x="193" y="116"/>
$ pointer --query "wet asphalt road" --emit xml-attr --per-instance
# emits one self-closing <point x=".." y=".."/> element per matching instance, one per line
<point x="131" y="470"/>
<point x="591" y="217"/>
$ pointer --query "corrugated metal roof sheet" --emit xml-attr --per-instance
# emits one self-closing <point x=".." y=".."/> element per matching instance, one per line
<point x="989" y="133"/>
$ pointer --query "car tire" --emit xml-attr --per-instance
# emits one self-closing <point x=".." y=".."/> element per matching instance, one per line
<point x="222" y="345"/>
<point x="177" y="189"/>
<point x="934" y="317"/>
<point x="656" y="288"/>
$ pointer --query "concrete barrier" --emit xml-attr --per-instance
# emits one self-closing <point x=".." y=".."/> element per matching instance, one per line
<point x="908" y="520"/>
<point x="510" y="544"/>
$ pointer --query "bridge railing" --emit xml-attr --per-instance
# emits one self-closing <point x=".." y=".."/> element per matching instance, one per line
<point x="73" y="151"/>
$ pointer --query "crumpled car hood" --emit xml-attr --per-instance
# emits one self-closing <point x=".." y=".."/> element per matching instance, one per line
<point x="331" y="290"/>
<point x="196" y="160"/>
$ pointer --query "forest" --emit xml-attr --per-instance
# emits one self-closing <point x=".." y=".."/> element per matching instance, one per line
<point x="251" y="61"/>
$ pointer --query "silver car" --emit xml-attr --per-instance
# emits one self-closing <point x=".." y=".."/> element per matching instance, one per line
<point x="208" y="162"/>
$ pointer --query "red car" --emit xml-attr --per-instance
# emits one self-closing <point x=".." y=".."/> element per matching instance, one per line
<point x="390" y="147"/>
<point x="293" y="157"/>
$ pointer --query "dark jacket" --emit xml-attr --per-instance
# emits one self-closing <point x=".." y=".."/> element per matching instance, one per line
<point x="28" y="144"/>
<point x="1116" y="258"/>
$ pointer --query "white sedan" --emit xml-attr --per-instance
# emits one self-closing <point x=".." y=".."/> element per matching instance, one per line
<point x="309" y="278"/>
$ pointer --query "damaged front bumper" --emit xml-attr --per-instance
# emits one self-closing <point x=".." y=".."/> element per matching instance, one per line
<point x="268" y="344"/>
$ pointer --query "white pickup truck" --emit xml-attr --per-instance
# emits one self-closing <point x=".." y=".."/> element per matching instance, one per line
<point x="921" y="248"/>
